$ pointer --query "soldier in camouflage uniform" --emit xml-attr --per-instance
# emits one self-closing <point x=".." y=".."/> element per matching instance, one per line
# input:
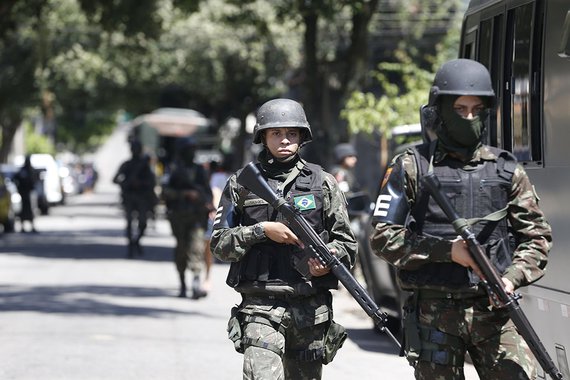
<point x="188" y="200"/>
<point x="281" y="324"/>
<point x="449" y="312"/>
<point x="137" y="182"/>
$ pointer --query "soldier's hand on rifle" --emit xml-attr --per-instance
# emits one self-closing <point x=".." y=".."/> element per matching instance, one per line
<point x="509" y="287"/>
<point x="280" y="233"/>
<point x="316" y="268"/>
<point x="460" y="255"/>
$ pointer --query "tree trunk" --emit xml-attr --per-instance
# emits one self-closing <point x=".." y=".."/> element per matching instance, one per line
<point x="10" y="125"/>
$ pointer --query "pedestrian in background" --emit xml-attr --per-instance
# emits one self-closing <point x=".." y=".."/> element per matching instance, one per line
<point x="346" y="158"/>
<point x="219" y="174"/>
<point x="449" y="312"/>
<point x="26" y="181"/>
<point x="138" y="198"/>
<point x="284" y="325"/>
<point x="188" y="200"/>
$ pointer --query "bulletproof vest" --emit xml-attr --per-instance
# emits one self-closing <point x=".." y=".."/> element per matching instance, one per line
<point x="270" y="262"/>
<point x="137" y="170"/>
<point x="473" y="193"/>
<point x="192" y="177"/>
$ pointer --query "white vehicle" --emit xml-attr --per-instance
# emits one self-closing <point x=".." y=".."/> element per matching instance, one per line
<point x="50" y="191"/>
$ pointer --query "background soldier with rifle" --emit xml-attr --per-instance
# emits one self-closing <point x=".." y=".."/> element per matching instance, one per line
<point x="284" y="325"/>
<point x="137" y="181"/>
<point x="188" y="198"/>
<point x="450" y="312"/>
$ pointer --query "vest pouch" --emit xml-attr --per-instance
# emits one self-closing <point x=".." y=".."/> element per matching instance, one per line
<point x="499" y="253"/>
<point x="235" y="330"/>
<point x="234" y="274"/>
<point x="255" y="265"/>
<point x="334" y="339"/>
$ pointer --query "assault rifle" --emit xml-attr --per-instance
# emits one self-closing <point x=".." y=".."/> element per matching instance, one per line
<point x="251" y="178"/>
<point x="492" y="280"/>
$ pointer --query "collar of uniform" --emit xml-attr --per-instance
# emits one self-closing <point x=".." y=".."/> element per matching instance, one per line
<point x="483" y="153"/>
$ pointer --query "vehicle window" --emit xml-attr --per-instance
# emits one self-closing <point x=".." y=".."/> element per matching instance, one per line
<point x="486" y="57"/>
<point x="525" y="142"/>
<point x="469" y="45"/>
<point x="564" y="50"/>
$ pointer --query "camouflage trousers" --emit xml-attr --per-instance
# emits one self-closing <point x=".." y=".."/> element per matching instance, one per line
<point x="471" y="325"/>
<point x="137" y="206"/>
<point x="284" y="339"/>
<point x="190" y="245"/>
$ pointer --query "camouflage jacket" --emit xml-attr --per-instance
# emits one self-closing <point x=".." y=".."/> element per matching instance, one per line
<point x="398" y="246"/>
<point x="230" y="240"/>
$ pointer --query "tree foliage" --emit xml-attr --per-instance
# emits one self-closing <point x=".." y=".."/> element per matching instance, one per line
<point x="405" y="83"/>
<point x="78" y="62"/>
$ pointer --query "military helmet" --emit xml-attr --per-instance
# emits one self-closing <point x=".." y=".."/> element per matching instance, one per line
<point x="281" y="113"/>
<point x="462" y="77"/>
<point x="341" y="151"/>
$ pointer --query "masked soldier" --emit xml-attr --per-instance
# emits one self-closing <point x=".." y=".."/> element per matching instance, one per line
<point x="137" y="181"/>
<point x="188" y="200"/>
<point x="449" y="312"/>
<point x="281" y="324"/>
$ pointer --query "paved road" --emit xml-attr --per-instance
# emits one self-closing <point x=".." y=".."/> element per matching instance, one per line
<point x="73" y="307"/>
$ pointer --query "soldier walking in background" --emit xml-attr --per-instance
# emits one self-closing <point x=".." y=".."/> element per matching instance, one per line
<point x="449" y="312"/>
<point x="137" y="182"/>
<point x="188" y="200"/>
<point x="284" y="325"/>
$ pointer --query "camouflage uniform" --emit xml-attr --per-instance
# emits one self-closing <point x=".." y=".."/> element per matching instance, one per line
<point x="282" y="326"/>
<point x="137" y="183"/>
<point x="188" y="219"/>
<point x="464" y="315"/>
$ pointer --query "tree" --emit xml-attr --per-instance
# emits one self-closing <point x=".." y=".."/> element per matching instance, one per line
<point x="19" y="57"/>
<point x="404" y="84"/>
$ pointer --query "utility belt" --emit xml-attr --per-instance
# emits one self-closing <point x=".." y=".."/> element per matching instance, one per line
<point x="423" y="294"/>
<point x="279" y="290"/>
<point x="279" y="319"/>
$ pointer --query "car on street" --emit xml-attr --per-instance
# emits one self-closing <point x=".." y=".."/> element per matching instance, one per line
<point x="10" y="200"/>
<point x="49" y="188"/>
<point x="380" y="277"/>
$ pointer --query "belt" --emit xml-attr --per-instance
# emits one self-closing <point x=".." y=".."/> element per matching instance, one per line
<point x="436" y="294"/>
<point x="263" y="297"/>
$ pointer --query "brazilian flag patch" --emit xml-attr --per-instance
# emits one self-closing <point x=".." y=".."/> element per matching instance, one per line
<point x="305" y="202"/>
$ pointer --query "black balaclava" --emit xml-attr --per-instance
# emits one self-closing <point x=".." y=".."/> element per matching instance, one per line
<point x="456" y="133"/>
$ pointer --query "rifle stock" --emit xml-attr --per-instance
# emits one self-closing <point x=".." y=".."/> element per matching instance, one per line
<point x="251" y="178"/>
<point x="492" y="281"/>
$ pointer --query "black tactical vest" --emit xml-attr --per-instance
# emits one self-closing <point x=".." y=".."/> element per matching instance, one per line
<point x="474" y="194"/>
<point x="269" y="262"/>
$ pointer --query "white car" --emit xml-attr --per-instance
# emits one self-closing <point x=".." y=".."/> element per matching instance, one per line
<point x="48" y="171"/>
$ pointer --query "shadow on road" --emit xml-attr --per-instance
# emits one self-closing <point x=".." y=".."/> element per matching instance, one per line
<point x="87" y="300"/>
<point x="370" y="340"/>
<point x="80" y="245"/>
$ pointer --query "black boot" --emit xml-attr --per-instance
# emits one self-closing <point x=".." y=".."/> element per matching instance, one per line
<point x="182" y="293"/>
<point x="197" y="291"/>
